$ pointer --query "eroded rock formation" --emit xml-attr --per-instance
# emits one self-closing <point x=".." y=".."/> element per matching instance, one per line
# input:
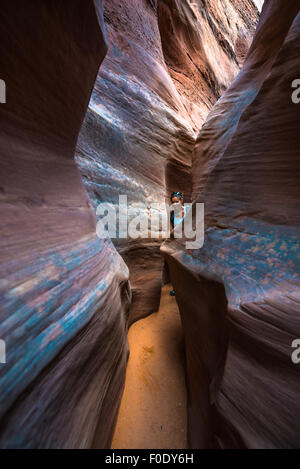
<point x="64" y="293"/>
<point x="239" y="295"/>
<point x="204" y="44"/>
<point x="167" y="64"/>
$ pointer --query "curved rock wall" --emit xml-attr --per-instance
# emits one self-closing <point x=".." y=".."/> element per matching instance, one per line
<point x="244" y="283"/>
<point x="64" y="293"/>
<point x="204" y="44"/>
<point x="167" y="64"/>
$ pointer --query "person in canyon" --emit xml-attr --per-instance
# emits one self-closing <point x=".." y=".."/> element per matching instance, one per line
<point x="176" y="201"/>
<point x="176" y="217"/>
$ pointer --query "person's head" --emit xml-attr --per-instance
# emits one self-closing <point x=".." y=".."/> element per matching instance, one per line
<point x="177" y="197"/>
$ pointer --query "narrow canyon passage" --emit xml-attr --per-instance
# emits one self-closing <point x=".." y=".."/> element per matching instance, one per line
<point x="107" y="108"/>
<point x="153" y="407"/>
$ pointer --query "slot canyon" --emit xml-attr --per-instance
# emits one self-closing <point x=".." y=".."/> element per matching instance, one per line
<point x="144" y="98"/>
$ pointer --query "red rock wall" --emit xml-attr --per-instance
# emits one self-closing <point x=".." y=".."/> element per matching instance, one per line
<point x="64" y="293"/>
<point x="167" y="64"/>
<point x="239" y="294"/>
<point x="204" y="44"/>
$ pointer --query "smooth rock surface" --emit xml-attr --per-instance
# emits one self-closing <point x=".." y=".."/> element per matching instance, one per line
<point x="64" y="293"/>
<point x="239" y="295"/>
<point x="167" y="64"/>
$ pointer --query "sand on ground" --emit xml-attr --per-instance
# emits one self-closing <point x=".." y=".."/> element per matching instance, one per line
<point x="152" y="414"/>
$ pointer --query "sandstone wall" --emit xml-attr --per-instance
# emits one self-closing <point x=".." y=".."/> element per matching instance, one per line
<point x="64" y="293"/>
<point x="244" y="283"/>
<point x="167" y="64"/>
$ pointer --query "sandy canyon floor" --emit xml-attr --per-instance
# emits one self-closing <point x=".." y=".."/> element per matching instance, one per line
<point x="152" y="414"/>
